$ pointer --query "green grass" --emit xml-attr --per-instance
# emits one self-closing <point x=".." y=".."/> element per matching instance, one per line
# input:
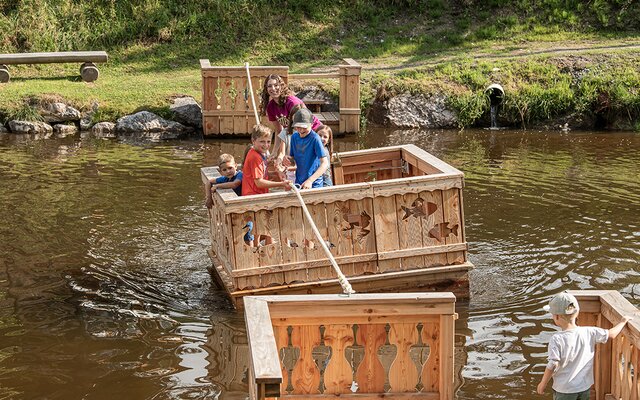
<point x="408" y="45"/>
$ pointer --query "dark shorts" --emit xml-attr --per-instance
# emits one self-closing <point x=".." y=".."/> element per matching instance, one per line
<point x="571" y="396"/>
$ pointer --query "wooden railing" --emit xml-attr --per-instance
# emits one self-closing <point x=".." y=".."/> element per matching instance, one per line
<point x="227" y="108"/>
<point x="364" y="346"/>
<point x="617" y="362"/>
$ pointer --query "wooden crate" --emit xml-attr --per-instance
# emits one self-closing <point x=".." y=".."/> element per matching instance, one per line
<point x="393" y="221"/>
<point x="368" y="346"/>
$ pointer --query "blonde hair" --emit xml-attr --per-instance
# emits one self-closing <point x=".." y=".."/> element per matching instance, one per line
<point x="326" y="128"/>
<point x="226" y="158"/>
<point x="259" y="131"/>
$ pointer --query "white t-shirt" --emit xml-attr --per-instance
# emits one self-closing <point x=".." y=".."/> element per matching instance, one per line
<point x="286" y="139"/>
<point x="571" y="354"/>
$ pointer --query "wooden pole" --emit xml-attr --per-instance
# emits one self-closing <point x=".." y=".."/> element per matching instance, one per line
<point x="346" y="286"/>
<point x="253" y="100"/>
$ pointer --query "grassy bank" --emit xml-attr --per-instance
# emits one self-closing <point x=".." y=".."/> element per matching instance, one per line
<point x="450" y="47"/>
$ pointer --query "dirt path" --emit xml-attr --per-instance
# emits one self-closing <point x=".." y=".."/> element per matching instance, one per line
<point x="507" y="51"/>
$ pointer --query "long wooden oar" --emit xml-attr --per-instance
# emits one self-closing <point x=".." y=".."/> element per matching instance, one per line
<point x="253" y="100"/>
<point x="346" y="286"/>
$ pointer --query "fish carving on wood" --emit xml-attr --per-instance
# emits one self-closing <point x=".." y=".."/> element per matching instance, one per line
<point x="419" y="208"/>
<point x="362" y="221"/>
<point x="442" y="230"/>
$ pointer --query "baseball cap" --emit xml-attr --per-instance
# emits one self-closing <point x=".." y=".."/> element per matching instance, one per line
<point x="563" y="304"/>
<point x="302" y="119"/>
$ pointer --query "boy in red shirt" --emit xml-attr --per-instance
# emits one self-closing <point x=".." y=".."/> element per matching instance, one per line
<point x="254" y="168"/>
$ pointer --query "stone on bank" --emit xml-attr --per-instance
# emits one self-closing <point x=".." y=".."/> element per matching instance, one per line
<point x="37" y="127"/>
<point x="148" y="125"/>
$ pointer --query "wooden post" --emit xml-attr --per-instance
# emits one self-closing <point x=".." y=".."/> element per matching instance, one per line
<point x="89" y="72"/>
<point x="349" y="96"/>
<point x="447" y="330"/>
<point x="4" y="73"/>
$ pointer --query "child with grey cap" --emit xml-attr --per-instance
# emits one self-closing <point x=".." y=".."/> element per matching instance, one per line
<point x="572" y="350"/>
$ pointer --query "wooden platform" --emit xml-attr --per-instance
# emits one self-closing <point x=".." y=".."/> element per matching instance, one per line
<point x="228" y="110"/>
<point x="393" y="221"/>
<point x="329" y="118"/>
<point x="363" y="346"/>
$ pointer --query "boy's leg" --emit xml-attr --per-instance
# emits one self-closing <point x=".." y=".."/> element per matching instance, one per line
<point x="585" y="395"/>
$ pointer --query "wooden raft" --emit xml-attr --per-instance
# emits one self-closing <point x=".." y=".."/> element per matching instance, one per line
<point x="227" y="107"/>
<point x="393" y="221"/>
<point x="363" y="346"/>
<point x="617" y="362"/>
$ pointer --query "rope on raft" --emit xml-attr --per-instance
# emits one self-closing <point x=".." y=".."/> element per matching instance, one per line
<point x="344" y="283"/>
<point x="346" y="286"/>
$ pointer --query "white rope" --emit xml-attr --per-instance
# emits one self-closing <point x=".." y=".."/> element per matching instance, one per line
<point x="346" y="286"/>
<point x="253" y="100"/>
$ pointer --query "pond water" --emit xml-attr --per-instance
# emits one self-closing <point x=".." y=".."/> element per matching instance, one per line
<point x="104" y="290"/>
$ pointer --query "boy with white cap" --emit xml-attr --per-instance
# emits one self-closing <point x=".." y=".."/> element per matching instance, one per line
<point x="307" y="151"/>
<point x="572" y="350"/>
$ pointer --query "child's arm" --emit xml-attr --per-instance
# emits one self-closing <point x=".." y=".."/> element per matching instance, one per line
<point x="615" y="331"/>
<point x="207" y="195"/>
<point x="324" y="164"/>
<point x="548" y="373"/>
<point x="227" y="185"/>
<point x="267" y="184"/>
<point x="279" y="150"/>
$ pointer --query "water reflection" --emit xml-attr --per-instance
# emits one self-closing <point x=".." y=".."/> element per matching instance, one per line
<point x="104" y="290"/>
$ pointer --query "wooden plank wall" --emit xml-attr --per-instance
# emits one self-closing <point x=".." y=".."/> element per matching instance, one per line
<point x="224" y="108"/>
<point x="394" y="233"/>
<point x="370" y="376"/>
<point x="403" y="227"/>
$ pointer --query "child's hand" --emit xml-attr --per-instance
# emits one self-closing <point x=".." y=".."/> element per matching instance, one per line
<point x="286" y="162"/>
<point x="307" y="184"/>
<point x="541" y="387"/>
<point x="287" y="184"/>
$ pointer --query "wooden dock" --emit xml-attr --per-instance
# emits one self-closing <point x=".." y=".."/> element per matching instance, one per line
<point x="227" y="107"/>
<point x="393" y="221"/>
<point x="363" y="346"/>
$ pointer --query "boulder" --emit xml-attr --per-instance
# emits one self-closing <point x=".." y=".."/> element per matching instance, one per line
<point x="419" y="111"/>
<point x="63" y="130"/>
<point x="187" y="111"/>
<point x="59" y="112"/>
<point x="147" y="125"/>
<point x="37" y="127"/>
<point x="106" y="130"/>
<point x="3" y="129"/>
<point x="87" y="117"/>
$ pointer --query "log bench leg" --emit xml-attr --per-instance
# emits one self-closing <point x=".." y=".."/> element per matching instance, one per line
<point x="89" y="72"/>
<point x="4" y="73"/>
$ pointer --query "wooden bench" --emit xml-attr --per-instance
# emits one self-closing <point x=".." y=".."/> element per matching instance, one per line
<point x="88" y="70"/>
